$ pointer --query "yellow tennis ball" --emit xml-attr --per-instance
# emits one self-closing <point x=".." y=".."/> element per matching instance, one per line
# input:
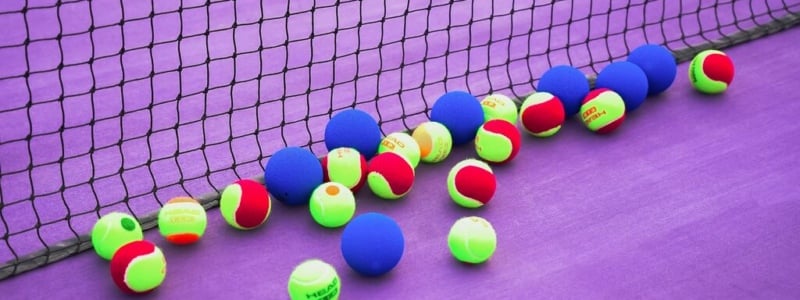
<point x="434" y="140"/>
<point x="472" y="240"/>
<point x="403" y="144"/>
<point x="332" y="204"/>
<point x="182" y="220"/>
<point x="711" y="71"/>
<point x="499" y="106"/>
<point x="314" y="279"/>
<point x="114" y="230"/>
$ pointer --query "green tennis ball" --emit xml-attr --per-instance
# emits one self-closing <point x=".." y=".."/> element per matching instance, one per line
<point x="113" y="231"/>
<point x="711" y="71"/>
<point x="498" y="106"/>
<point x="472" y="240"/>
<point x="434" y="140"/>
<point x="182" y="220"/>
<point x="403" y="144"/>
<point x="314" y="279"/>
<point x="332" y="204"/>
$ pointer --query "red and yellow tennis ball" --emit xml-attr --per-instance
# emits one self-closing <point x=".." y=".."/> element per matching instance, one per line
<point x="113" y="231"/>
<point x="711" y="71"/>
<point x="542" y="114"/>
<point x="471" y="183"/>
<point x="403" y="144"/>
<point x="182" y="220"/>
<point x="245" y="204"/>
<point x="138" y="267"/>
<point x="603" y="111"/>
<point x="499" y="106"/>
<point x="434" y="140"/>
<point x="497" y="141"/>
<point x="346" y="166"/>
<point x="390" y="175"/>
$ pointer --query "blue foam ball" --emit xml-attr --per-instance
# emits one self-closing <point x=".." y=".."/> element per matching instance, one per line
<point x="292" y="174"/>
<point x="568" y="84"/>
<point x="628" y="80"/>
<point x="461" y="113"/>
<point x="658" y="64"/>
<point x="353" y="128"/>
<point x="372" y="244"/>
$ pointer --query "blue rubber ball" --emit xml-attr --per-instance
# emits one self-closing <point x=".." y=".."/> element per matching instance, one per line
<point x="372" y="244"/>
<point x="568" y="84"/>
<point x="658" y="64"/>
<point x="461" y="113"/>
<point x="292" y="174"/>
<point x="353" y="128"/>
<point x="628" y="80"/>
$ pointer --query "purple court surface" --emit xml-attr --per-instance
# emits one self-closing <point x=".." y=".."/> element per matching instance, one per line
<point x="694" y="197"/>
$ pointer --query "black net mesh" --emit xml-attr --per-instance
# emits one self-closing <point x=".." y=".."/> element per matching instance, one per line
<point x="120" y="105"/>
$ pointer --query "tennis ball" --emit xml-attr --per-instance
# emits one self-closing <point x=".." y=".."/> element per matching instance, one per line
<point x="658" y="64"/>
<point x="291" y="174"/>
<point x="568" y="84"/>
<point x="346" y="166"/>
<point x="390" y="176"/>
<point x="472" y="240"/>
<point x="138" y="267"/>
<point x="114" y="230"/>
<point x="314" y="279"/>
<point x="461" y="113"/>
<point x="182" y="220"/>
<point x="332" y="204"/>
<point x="603" y="111"/>
<point x="245" y="204"/>
<point x="353" y="128"/>
<point x="434" y="140"/>
<point x="372" y="244"/>
<point x="542" y="114"/>
<point x="471" y="183"/>
<point x="497" y="141"/>
<point x="403" y="144"/>
<point x="499" y="106"/>
<point x="711" y="71"/>
<point x="627" y="80"/>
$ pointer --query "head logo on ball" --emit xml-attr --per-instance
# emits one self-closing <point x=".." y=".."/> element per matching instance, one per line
<point x="603" y="111"/>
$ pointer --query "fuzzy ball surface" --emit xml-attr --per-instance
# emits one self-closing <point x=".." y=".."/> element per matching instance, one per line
<point x="346" y="166"/>
<point x="245" y="204"/>
<point x="498" y="141"/>
<point x="471" y="183"/>
<point x="113" y="231"/>
<point x="434" y="140"/>
<point x="711" y="72"/>
<point x="542" y="114"/>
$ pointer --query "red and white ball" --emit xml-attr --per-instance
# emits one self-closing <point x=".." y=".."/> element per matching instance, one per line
<point x="542" y="114"/>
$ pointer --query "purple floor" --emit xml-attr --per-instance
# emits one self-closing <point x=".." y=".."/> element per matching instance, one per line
<point x="695" y="197"/>
<point x="697" y="204"/>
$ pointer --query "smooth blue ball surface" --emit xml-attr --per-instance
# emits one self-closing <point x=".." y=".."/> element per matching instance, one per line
<point x="372" y="244"/>
<point x="353" y="128"/>
<point x="568" y="84"/>
<point x="658" y="64"/>
<point x="292" y="174"/>
<point x="628" y="80"/>
<point x="461" y="113"/>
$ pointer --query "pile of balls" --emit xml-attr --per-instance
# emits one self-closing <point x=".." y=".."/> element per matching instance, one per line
<point x="359" y="155"/>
